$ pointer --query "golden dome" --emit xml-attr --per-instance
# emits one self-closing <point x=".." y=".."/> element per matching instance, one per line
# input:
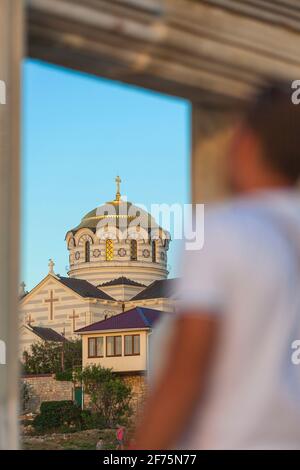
<point x="117" y="213"/>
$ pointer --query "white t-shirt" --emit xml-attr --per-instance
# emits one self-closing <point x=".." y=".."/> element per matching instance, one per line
<point x="248" y="274"/>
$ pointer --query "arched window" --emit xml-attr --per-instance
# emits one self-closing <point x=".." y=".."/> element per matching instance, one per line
<point x="154" y="251"/>
<point x="87" y="252"/>
<point x="109" y="250"/>
<point x="133" y="250"/>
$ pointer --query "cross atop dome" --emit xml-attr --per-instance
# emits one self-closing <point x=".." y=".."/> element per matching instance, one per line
<point x="118" y="194"/>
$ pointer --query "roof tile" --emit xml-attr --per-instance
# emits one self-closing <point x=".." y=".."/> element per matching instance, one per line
<point x="47" y="334"/>
<point x="84" y="288"/>
<point x="120" y="281"/>
<point x="164" y="288"/>
<point x="138" y="317"/>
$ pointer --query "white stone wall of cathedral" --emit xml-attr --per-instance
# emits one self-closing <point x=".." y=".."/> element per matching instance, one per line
<point x="66" y="302"/>
<point x="26" y="339"/>
<point x="98" y="270"/>
<point x="111" y="270"/>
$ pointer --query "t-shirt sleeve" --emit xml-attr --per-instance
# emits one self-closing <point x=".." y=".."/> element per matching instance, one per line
<point x="203" y="280"/>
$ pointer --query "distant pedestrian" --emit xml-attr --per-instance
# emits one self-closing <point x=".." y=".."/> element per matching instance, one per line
<point x="120" y="434"/>
<point x="99" y="445"/>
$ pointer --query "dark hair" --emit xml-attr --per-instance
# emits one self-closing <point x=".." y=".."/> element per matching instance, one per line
<point x="275" y="120"/>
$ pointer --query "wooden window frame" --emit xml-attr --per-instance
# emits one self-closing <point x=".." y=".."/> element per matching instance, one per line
<point x="96" y="349"/>
<point x="114" y="346"/>
<point x="132" y="344"/>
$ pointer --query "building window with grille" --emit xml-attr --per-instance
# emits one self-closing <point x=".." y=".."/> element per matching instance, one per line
<point x="109" y="250"/>
<point x="154" y="251"/>
<point x="113" y="346"/>
<point x="87" y="252"/>
<point x="133" y="250"/>
<point x="132" y="345"/>
<point x="95" y="347"/>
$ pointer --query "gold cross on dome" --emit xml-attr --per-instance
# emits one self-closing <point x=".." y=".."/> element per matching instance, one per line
<point x="118" y="194"/>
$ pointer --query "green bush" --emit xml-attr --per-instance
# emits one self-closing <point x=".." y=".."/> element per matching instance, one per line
<point x="64" y="416"/>
<point x="65" y="375"/>
<point x="45" y="357"/>
<point x="110" y="396"/>
<point x="91" y="420"/>
<point x="57" y="414"/>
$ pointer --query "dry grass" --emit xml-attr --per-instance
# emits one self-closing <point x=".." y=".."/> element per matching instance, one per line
<point x="83" y="440"/>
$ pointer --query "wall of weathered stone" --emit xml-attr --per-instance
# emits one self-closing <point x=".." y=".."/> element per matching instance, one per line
<point x="138" y="384"/>
<point x="45" y="387"/>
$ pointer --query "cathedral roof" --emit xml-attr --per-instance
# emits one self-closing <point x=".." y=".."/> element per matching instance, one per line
<point x="160" y="289"/>
<point x="122" y="280"/>
<point x="84" y="288"/>
<point x="118" y="213"/>
<point x="47" y="334"/>
<point x="138" y="317"/>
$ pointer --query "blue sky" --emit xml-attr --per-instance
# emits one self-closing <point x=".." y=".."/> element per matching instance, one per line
<point x="79" y="132"/>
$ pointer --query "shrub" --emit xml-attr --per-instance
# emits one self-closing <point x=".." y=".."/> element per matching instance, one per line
<point x="45" y="357"/>
<point x="63" y="415"/>
<point x="91" y="420"/>
<point x="65" y="375"/>
<point x="110" y="396"/>
<point x="56" y="414"/>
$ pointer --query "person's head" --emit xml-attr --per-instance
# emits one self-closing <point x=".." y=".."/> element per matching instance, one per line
<point x="265" y="150"/>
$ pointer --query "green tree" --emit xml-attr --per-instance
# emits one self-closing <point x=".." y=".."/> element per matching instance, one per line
<point x="109" y="395"/>
<point x="46" y="357"/>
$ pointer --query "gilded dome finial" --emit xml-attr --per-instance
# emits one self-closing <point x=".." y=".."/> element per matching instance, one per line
<point x="118" y="194"/>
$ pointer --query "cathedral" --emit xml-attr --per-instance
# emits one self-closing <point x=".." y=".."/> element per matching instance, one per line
<point x="117" y="263"/>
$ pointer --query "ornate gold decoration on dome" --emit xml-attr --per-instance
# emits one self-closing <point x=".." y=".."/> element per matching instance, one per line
<point x="112" y="216"/>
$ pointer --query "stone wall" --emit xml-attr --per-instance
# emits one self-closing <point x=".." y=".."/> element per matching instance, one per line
<point x="138" y="384"/>
<point x="45" y="387"/>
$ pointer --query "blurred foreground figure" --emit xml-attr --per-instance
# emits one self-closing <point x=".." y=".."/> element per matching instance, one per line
<point x="230" y="381"/>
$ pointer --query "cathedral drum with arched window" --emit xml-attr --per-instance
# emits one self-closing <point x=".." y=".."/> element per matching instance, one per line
<point x="118" y="240"/>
